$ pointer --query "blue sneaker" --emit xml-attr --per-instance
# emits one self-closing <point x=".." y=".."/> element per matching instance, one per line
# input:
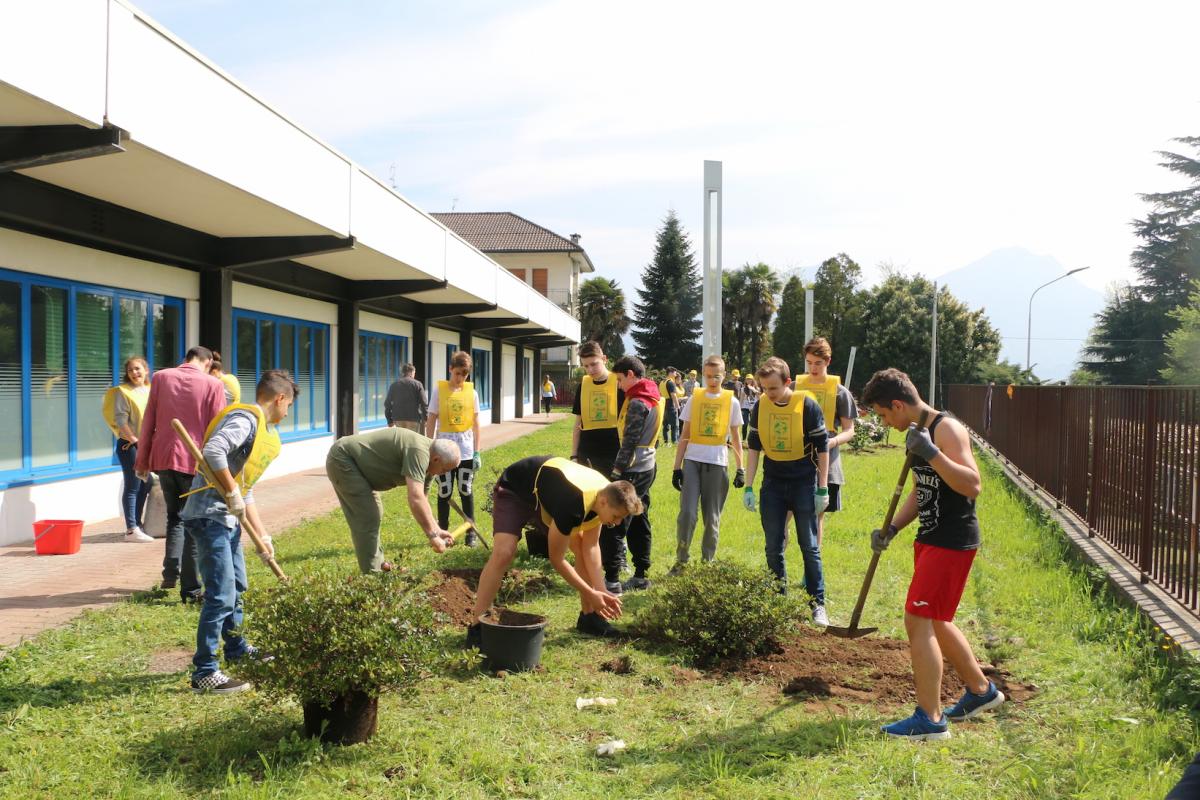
<point x="918" y="728"/>
<point x="971" y="704"/>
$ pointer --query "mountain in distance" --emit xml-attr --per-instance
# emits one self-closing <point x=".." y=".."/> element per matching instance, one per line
<point x="1063" y="314"/>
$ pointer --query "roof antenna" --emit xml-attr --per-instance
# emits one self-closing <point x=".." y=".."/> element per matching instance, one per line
<point x="454" y="204"/>
<point x="392" y="175"/>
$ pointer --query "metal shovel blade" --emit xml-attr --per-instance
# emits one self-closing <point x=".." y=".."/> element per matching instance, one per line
<point x="849" y="633"/>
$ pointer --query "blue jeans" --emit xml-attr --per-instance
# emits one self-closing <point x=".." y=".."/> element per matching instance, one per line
<point x="133" y="498"/>
<point x="776" y="499"/>
<point x="223" y="569"/>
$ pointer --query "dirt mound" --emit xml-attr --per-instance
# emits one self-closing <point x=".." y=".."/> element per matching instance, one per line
<point x="622" y="665"/>
<point x="873" y="669"/>
<point x="514" y="619"/>
<point x="454" y="594"/>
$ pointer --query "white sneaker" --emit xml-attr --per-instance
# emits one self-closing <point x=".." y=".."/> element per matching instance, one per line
<point x="820" y="617"/>
<point x="138" y="535"/>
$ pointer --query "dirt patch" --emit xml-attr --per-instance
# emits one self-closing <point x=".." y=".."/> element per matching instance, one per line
<point x="454" y="594"/>
<point x="685" y="675"/>
<point x="506" y="617"/>
<point x="873" y="669"/>
<point x="622" y="665"/>
<point x="168" y="662"/>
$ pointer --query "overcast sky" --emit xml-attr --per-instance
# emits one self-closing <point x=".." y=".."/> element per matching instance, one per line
<point x="925" y="135"/>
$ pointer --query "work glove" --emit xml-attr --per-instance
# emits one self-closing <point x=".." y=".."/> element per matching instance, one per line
<point x="477" y="461"/>
<point x="268" y="551"/>
<point x="739" y="478"/>
<point x="920" y="443"/>
<point x="821" y="499"/>
<point x="235" y="502"/>
<point x="748" y="500"/>
<point x="880" y="540"/>
<point x="677" y="479"/>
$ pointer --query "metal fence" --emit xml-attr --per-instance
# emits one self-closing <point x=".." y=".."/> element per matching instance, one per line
<point x="1123" y="458"/>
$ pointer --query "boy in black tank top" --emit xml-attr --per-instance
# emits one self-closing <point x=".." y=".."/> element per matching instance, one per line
<point x="945" y="484"/>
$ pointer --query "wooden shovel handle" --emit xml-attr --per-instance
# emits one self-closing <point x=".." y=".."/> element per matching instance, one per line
<point x="209" y="476"/>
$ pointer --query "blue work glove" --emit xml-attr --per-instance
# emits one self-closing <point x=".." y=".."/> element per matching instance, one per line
<point x="920" y="443"/>
<point x="748" y="499"/>
<point x="677" y="479"/>
<point x="881" y="540"/>
<point x="739" y="478"/>
<point x="821" y="499"/>
<point x="477" y="461"/>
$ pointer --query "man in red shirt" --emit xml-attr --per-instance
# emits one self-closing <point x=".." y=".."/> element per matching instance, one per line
<point x="187" y="393"/>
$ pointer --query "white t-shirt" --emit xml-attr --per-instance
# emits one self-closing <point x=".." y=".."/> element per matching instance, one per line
<point x="712" y="453"/>
<point x="464" y="439"/>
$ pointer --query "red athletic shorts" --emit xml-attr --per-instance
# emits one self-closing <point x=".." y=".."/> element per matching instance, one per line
<point x="939" y="577"/>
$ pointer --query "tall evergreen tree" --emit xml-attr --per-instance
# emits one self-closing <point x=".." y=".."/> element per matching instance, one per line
<point x="602" y="315"/>
<point x="788" y="339"/>
<point x="1183" y="345"/>
<point x="667" y="321"/>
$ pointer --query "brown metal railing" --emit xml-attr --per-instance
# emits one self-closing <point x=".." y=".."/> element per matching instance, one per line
<point x="1123" y="458"/>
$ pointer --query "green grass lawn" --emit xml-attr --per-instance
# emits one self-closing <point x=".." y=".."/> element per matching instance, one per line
<point x="100" y="709"/>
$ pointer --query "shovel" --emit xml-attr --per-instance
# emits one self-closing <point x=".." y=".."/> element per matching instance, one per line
<point x="468" y="524"/>
<point x="855" y="632"/>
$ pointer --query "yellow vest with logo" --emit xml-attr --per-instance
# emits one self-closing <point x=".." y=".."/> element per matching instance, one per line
<point x="233" y="386"/>
<point x="264" y="450"/>
<point x="709" y="417"/>
<point x="585" y="479"/>
<point x="456" y="407"/>
<point x="662" y="389"/>
<point x="826" y="396"/>
<point x="137" y="407"/>
<point x="597" y="404"/>
<point x="647" y="442"/>
<point x="781" y="428"/>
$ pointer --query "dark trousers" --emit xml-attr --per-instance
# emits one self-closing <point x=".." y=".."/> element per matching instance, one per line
<point x="465" y="477"/>
<point x="135" y="492"/>
<point x="634" y="529"/>
<point x="179" y="563"/>
<point x="546" y="401"/>
<point x="670" y="431"/>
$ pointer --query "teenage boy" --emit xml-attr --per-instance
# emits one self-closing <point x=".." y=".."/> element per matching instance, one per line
<point x="454" y="415"/>
<point x="945" y="484"/>
<point x="669" y="389"/>
<point x="240" y="443"/>
<point x="710" y="417"/>
<point x="837" y="406"/>
<point x="570" y="503"/>
<point x="788" y="429"/>
<point x="638" y="426"/>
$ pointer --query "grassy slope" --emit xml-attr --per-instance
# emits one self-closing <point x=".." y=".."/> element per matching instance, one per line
<point x="80" y="716"/>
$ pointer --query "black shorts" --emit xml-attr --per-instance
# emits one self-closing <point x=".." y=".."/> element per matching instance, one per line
<point x="511" y="514"/>
<point x="835" y="498"/>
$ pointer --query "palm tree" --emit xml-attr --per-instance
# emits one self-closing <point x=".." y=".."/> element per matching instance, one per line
<point x="759" y="304"/>
<point x="733" y="328"/>
<point x="602" y="315"/>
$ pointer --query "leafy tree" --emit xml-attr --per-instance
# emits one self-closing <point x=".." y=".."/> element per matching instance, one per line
<point x="1183" y="345"/>
<point x="837" y="302"/>
<point x="788" y="339"/>
<point x="1004" y="373"/>
<point x="667" y="321"/>
<point x="602" y="315"/>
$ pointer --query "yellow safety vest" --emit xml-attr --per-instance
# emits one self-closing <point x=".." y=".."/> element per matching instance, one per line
<point x="597" y="404"/>
<point x="585" y="479"/>
<point x="709" y="417"/>
<point x="826" y="396"/>
<point x="456" y="407"/>
<point x="649" y="442"/>
<point x="781" y="428"/>
<point x="264" y="450"/>
<point x="137" y="407"/>
<point x="233" y="385"/>
<point x="662" y="389"/>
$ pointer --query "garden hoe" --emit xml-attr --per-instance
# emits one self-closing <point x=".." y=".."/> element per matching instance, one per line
<point x="468" y="525"/>
<point x="855" y="632"/>
<point x="206" y="471"/>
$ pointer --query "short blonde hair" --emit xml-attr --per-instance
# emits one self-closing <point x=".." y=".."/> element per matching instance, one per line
<point x="774" y="366"/>
<point x="715" y="361"/>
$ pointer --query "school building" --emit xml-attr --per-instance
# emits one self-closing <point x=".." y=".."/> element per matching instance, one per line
<point x="149" y="202"/>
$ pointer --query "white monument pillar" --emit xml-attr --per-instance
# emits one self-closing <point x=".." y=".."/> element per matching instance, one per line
<point x="711" y="335"/>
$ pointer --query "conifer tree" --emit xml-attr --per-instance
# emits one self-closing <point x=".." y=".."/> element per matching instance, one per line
<point x="788" y="340"/>
<point x="667" y="319"/>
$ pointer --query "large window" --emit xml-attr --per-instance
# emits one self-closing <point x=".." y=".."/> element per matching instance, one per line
<point x="265" y="341"/>
<point x="62" y="345"/>
<point x="380" y="357"/>
<point x="483" y="376"/>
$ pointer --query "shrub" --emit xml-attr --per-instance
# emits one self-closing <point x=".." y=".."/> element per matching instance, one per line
<point x="718" y="611"/>
<point x="869" y="430"/>
<point x="332" y="635"/>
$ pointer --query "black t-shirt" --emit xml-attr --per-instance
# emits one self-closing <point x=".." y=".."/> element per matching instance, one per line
<point x="816" y="439"/>
<point x="945" y="517"/>
<point x="600" y="444"/>
<point x="561" y="499"/>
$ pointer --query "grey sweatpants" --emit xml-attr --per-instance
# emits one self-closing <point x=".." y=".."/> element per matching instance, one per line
<point x="706" y="485"/>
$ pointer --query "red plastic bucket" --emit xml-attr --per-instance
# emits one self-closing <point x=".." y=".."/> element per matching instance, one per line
<point x="57" y="537"/>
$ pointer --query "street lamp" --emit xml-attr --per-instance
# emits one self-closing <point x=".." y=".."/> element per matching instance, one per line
<point x="1029" y="318"/>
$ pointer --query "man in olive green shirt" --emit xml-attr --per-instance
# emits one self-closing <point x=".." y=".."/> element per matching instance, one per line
<point x="361" y="466"/>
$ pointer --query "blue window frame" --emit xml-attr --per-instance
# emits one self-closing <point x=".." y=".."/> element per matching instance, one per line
<point x="527" y="378"/>
<point x="483" y="376"/>
<point x="62" y="346"/>
<point x="380" y="357"/>
<point x="267" y="341"/>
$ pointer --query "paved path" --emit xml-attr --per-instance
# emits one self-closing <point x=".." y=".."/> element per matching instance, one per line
<point x="40" y="592"/>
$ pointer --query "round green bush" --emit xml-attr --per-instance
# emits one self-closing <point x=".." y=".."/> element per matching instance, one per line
<point x="331" y="635"/>
<point x="718" y="611"/>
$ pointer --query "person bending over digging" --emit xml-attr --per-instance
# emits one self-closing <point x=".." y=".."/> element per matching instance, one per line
<point x="945" y="484"/>
<point x="363" y="465"/>
<point x="570" y="502"/>
<point x="240" y="443"/>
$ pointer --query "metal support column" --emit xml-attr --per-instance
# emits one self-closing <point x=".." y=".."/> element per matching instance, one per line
<point x="497" y="381"/>
<point x="420" y="352"/>
<point x="711" y="304"/>
<point x="520" y="382"/>
<point x="216" y="312"/>
<point x="347" y="369"/>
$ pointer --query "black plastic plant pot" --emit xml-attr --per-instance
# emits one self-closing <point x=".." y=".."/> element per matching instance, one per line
<point x="350" y="719"/>
<point x="513" y="641"/>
